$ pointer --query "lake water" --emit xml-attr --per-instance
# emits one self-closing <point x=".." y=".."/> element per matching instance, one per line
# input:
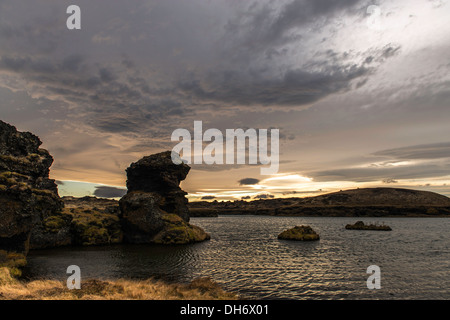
<point x="245" y="256"/>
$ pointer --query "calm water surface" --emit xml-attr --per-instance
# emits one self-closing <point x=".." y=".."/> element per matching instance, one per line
<point x="244" y="255"/>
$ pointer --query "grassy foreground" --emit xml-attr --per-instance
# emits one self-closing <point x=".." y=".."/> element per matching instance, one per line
<point x="199" y="289"/>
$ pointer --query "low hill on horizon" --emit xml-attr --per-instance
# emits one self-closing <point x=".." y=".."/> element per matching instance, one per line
<point x="380" y="196"/>
<point x="354" y="202"/>
<point x="378" y="202"/>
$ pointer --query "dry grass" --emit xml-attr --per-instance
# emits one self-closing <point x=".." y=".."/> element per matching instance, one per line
<point x="199" y="289"/>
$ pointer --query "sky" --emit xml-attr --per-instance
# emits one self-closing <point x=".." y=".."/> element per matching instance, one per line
<point x="360" y="96"/>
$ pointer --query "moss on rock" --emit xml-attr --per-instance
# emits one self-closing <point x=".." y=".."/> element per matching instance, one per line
<point x="301" y="233"/>
<point x="54" y="224"/>
<point x="359" y="225"/>
<point x="93" y="227"/>
<point x="178" y="231"/>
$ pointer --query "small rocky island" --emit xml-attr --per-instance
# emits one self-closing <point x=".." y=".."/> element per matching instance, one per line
<point x="299" y="233"/>
<point x="359" y="225"/>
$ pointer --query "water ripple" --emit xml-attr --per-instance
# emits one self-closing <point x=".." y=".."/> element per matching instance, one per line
<point x="245" y="255"/>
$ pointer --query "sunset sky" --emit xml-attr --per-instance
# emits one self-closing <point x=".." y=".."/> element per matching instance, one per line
<point x="359" y="101"/>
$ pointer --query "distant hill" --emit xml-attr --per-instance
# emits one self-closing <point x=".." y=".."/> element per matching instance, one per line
<point x="379" y="202"/>
<point x="369" y="202"/>
<point x="379" y="196"/>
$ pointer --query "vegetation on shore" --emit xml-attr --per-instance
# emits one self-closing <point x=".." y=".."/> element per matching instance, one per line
<point x="150" y="289"/>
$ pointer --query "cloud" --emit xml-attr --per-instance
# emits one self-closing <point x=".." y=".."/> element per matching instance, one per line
<point x="128" y="95"/>
<point x="263" y="24"/>
<point x="302" y="192"/>
<point x="117" y="90"/>
<point x="109" y="192"/>
<point x="208" y="197"/>
<point x="371" y="173"/>
<point x="248" y="181"/>
<point x="389" y="180"/>
<point x="410" y="162"/>
<point x="423" y="151"/>
<point x="295" y="87"/>
<point x="264" y="196"/>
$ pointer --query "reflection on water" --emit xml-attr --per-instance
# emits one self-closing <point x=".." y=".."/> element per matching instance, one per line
<point x="245" y="255"/>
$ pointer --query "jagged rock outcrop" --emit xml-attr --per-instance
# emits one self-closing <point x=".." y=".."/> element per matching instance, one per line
<point x="27" y="195"/>
<point x="157" y="174"/>
<point x="155" y="208"/>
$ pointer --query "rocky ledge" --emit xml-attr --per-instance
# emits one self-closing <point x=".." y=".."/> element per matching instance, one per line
<point x="154" y="210"/>
<point x="27" y="196"/>
<point x="301" y="233"/>
<point x="359" y="225"/>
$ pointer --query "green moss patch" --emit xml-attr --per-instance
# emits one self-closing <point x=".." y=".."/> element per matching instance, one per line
<point x="93" y="227"/>
<point x="300" y="233"/>
<point x="177" y="231"/>
<point x="55" y="223"/>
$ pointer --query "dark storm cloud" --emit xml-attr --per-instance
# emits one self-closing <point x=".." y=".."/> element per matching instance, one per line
<point x="109" y="192"/>
<point x="116" y="123"/>
<point x="110" y="103"/>
<point x="255" y="49"/>
<point x="263" y="24"/>
<point x="248" y="181"/>
<point x="40" y="35"/>
<point x="295" y="87"/>
<point x="126" y="94"/>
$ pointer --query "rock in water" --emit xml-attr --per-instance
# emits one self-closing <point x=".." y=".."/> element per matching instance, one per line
<point x="359" y="225"/>
<point x="302" y="233"/>
<point x="154" y="210"/>
<point x="27" y="195"/>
